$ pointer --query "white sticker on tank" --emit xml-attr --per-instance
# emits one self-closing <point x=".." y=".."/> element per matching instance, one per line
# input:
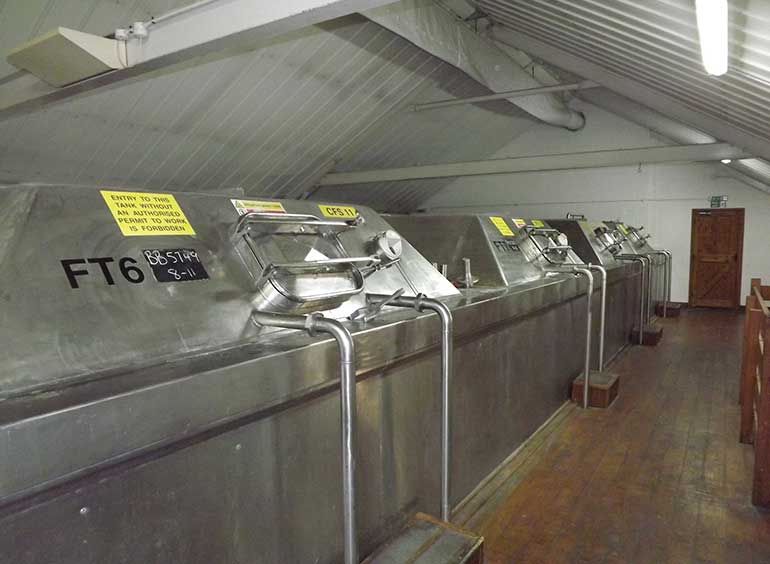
<point x="260" y="206"/>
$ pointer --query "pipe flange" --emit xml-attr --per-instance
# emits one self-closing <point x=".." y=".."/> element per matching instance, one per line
<point x="418" y="301"/>
<point x="310" y="321"/>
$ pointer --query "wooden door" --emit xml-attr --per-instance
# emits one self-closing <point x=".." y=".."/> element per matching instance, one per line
<point x="716" y="257"/>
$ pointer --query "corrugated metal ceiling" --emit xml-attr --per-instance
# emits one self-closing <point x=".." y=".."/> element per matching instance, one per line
<point x="270" y="120"/>
<point x="656" y="43"/>
<point x="409" y="138"/>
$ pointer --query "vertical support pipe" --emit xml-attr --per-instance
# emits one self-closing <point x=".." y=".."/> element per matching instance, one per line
<point x="667" y="289"/>
<point x="316" y="323"/>
<point x="642" y="301"/>
<point x="422" y="303"/>
<point x="666" y="276"/>
<point x="585" y="271"/>
<point x="589" y="319"/>
<point x="468" y="273"/>
<point x="665" y="281"/>
<point x="648" y="290"/>
<point x="602" y="312"/>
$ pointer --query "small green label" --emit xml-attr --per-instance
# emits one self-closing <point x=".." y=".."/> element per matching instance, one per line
<point x="718" y="201"/>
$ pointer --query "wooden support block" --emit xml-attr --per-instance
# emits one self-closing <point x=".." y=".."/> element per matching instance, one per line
<point x="674" y="309"/>
<point x="652" y="335"/>
<point x="603" y="388"/>
<point x="427" y="540"/>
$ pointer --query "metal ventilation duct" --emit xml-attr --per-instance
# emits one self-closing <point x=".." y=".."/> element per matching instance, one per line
<point x="439" y="32"/>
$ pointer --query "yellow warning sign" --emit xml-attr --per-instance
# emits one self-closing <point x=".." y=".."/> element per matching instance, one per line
<point x="345" y="212"/>
<point x="519" y="222"/>
<point x="145" y="213"/>
<point x="537" y="223"/>
<point x="260" y="206"/>
<point x="502" y="227"/>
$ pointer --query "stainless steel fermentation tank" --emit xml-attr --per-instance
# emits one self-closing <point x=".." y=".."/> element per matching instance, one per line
<point x="502" y="257"/>
<point x="605" y="244"/>
<point x="614" y="242"/>
<point x="636" y="241"/>
<point x="146" y="418"/>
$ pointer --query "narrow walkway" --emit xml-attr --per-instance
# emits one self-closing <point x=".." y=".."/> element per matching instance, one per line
<point x="659" y="477"/>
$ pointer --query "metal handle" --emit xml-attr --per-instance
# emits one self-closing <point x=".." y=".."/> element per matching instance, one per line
<point x="545" y="251"/>
<point x="271" y="270"/>
<point x="298" y="219"/>
<point x="316" y="264"/>
<point x="542" y="230"/>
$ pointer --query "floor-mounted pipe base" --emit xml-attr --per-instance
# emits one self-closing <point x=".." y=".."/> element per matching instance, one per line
<point x="603" y="388"/>
<point x="673" y="309"/>
<point x="651" y="337"/>
<point x="427" y="539"/>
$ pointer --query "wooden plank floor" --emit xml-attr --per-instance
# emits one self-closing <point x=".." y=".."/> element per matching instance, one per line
<point x="658" y="477"/>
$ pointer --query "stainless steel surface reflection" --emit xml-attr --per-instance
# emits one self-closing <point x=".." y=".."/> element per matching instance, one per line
<point x="153" y="422"/>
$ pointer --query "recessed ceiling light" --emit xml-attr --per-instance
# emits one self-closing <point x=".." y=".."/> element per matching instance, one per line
<point x="726" y="161"/>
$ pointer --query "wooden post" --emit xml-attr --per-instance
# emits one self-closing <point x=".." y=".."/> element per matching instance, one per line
<point x="761" y="494"/>
<point x="752" y="325"/>
<point x="744" y="348"/>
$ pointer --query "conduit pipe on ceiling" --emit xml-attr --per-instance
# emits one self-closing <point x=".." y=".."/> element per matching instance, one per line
<point x="439" y="32"/>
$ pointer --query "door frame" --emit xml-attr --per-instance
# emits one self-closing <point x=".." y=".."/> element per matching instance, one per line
<point x="695" y="213"/>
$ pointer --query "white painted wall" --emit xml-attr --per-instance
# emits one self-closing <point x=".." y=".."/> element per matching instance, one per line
<point x="660" y="197"/>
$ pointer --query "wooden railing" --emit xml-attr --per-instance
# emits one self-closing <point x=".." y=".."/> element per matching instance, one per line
<point x="755" y="387"/>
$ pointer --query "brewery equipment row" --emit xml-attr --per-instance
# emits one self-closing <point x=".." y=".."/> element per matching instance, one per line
<point x="199" y="378"/>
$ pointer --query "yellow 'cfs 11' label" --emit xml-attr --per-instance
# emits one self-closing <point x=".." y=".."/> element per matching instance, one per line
<point x="502" y="227"/>
<point x="537" y="223"/>
<point x="145" y="213"/>
<point x="346" y="212"/>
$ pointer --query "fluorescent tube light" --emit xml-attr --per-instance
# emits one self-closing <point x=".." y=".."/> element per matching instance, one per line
<point x="712" y="29"/>
<point x="726" y="161"/>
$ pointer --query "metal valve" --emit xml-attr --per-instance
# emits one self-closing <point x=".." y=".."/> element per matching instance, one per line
<point x="388" y="245"/>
